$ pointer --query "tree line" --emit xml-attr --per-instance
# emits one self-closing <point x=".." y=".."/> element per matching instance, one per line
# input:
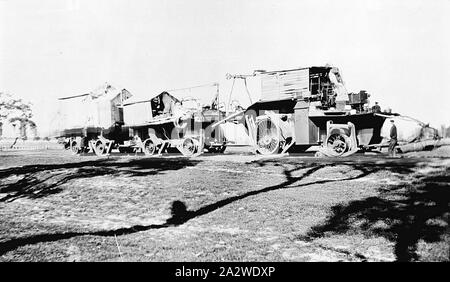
<point x="15" y="111"/>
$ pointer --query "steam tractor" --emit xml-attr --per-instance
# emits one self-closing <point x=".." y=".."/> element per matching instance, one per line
<point x="307" y="107"/>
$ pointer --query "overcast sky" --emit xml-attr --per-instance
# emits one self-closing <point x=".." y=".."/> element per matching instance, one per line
<point x="396" y="50"/>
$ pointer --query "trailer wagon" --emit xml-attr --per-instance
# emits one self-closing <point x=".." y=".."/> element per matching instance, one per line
<point x="90" y="121"/>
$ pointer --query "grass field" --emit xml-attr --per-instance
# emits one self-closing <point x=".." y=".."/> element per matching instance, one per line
<point x="232" y="207"/>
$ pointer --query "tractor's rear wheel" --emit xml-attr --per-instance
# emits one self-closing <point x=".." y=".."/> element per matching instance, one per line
<point x="267" y="137"/>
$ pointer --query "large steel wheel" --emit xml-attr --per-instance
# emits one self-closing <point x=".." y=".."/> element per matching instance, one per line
<point x="189" y="147"/>
<point x="100" y="148"/>
<point x="338" y="143"/>
<point x="149" y="147"/>
<point x="75" y="147"/>
<point x="267" y="137"/>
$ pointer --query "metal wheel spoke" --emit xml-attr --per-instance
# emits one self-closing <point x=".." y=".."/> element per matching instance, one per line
<point x="100" y="148"/>
<point x="149" y="147"/>
<point x="189" y="147"/>
<point x="337" y="143"/>
<point x="267" y="137"/>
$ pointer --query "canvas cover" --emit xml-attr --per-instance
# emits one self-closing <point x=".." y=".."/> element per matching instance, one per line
<point x="98" y="108"/>
<point x="407" y="129"/>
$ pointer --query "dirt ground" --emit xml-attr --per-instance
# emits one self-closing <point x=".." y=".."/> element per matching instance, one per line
<point x="232" y="207"/>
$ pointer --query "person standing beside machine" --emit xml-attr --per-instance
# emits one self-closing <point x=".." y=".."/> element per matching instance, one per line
<point x="393" y="140"/>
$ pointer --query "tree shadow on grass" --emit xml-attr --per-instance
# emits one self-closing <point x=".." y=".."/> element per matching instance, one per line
<point x="36" y="181"/>
<point x="404" y="214"/>
<point x="181" y="214"/>
<point x="363" y="170"/>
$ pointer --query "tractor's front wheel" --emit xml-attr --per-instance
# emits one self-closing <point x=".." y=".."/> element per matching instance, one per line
<point x="189" y="147"/>
<point x="338" y="143"/>
<point x="100" y="148"/>
<point x="75" y="147"/>
<point x="149" y="147"/>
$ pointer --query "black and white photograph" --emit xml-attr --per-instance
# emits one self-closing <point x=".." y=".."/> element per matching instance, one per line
<point x="224" y="131"/>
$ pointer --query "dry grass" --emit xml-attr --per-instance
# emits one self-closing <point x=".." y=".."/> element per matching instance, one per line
<point x="56" y="207"/>
<point x="440" y="152"/>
